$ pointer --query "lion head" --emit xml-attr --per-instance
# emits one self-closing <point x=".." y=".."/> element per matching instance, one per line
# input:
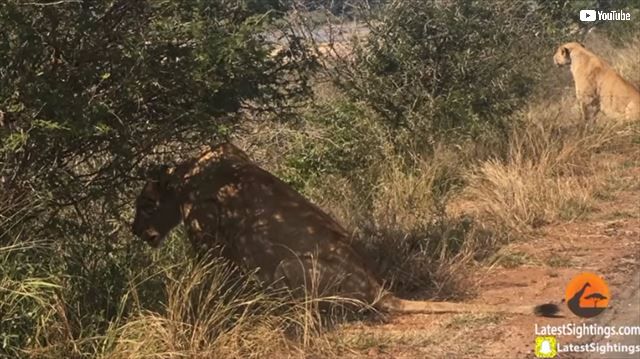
<point x="157" y="207"/>
<point x="562" y="57"/>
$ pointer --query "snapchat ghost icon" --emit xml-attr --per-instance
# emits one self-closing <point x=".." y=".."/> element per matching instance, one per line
<point x="546" y="347"/>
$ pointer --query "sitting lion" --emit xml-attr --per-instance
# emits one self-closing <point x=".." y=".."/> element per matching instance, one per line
<point x="598" y="86"/>
<point x="265" y="225"/>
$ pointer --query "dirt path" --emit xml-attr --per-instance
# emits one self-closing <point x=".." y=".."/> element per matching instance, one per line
<point x="606" y="243"/>
<point x="625" y="313"/>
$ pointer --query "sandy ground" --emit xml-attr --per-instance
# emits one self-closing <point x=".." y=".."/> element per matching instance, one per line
<point x="625" y="313"/>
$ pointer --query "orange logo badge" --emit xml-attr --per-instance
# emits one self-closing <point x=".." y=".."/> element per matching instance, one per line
<point x="587" y="295"/>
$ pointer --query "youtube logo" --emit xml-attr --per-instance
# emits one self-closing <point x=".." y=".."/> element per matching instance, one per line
<point x="587" y="15"/>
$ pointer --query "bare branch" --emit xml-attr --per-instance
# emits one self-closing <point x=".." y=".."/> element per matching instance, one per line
<point x="53" y="3"/>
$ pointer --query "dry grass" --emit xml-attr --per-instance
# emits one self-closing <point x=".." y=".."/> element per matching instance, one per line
<point x="549" y="173"/>
<point x="209" y="310"/>
<point x="406" y="199"/>
<point x="212" y="311"/>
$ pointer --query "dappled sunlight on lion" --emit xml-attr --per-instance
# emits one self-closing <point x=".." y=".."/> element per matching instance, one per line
<point x="262" y="224"/>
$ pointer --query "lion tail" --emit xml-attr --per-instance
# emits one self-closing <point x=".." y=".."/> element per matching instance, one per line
<point x="396" y="305"/>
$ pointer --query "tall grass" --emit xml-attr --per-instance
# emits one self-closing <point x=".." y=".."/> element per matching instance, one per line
<point x="549" y="173"/>
<point x="27" y="299"/>
<point x="212" y="310"/>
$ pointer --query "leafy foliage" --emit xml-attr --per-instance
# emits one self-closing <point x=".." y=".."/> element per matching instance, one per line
<point x="340" y="141"/>
<point x="88" y="88"/>
<point x="432" y="69"/>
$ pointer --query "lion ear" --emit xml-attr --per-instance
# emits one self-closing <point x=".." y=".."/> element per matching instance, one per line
<point x="565" y="52"/>
<point x="166" y="178"/>
<point x="163" y="175"/>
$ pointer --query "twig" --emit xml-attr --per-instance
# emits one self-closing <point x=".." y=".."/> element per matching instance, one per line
<point x="53" y="3"/>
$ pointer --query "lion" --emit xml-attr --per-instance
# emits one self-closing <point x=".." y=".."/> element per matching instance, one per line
<point x="598" y="86"/>
<point x="262" y="224"/>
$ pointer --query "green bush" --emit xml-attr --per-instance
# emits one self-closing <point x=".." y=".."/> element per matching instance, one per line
<point x="336" y="138"/>
<point x="441" y="70"/>
<point x="90" y="92"/>
<point x="90" y="88"/>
